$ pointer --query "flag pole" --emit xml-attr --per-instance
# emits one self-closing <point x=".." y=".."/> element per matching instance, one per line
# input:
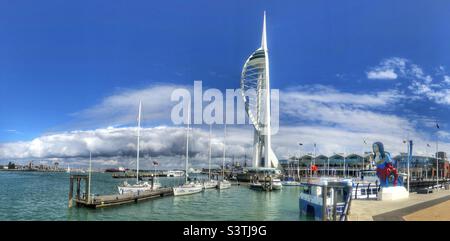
<point x="90" y="175"/>
<point x="409" y="160"/>
<point x="364" y="152"/>
<point x="437" y="156"/>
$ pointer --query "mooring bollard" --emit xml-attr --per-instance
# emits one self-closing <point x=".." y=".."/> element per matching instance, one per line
<point x="70" y="192"/>
<point x="324" y="202"/>
<point x="334" y="204"/>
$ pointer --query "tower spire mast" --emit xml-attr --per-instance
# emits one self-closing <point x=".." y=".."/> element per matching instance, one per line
<point x="138" y="136"/>
<point x="268" y="156"/>
<point x="264" y="34"/>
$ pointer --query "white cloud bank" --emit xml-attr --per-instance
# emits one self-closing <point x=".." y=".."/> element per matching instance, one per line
<point x="118" y="145"/>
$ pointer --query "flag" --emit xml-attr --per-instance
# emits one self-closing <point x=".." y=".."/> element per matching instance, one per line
<point x="437" y="125"/>
<point x="155" y="163"/>
<point x="428" y="145"/>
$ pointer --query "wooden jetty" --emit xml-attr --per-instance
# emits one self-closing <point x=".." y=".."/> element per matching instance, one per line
<point x="100" y="201"/>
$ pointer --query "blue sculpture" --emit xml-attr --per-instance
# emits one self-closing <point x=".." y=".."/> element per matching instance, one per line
<point x="386" y="167"/>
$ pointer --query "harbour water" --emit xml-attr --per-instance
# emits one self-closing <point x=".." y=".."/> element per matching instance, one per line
<point x="43" y="196"/>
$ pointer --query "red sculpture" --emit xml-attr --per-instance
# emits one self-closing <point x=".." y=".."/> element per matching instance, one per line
<point x="384" y="173"/>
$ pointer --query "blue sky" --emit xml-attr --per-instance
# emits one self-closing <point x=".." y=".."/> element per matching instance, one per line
<point x="59" y="59"/>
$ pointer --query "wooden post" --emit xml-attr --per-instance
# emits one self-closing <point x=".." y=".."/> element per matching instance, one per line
<point x="270" y="182"/>
<point x="153" y="181"/>
<point x="78" y="188"/>
<point x="70" y="192"/>
<point x="265" y="183"/>
<point x="349" y="206"/>
<point x="324" y="202"/>
<point x="334" y="204"/>
<point x="86" y="186"/>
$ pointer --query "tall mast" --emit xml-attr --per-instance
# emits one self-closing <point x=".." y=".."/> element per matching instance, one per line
<point x="138" y="135"/>
<point x="224" y="147"/>
<point x="187" y="143"/>
<point x="209" y="165"/>
<point x="90" y="170"/>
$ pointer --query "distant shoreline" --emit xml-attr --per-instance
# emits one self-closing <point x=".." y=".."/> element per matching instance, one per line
<point x="31" y="170"/>
<point x="18" y="170"/>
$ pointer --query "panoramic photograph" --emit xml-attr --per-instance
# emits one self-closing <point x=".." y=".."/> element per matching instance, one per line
<point x="224" y="111"/>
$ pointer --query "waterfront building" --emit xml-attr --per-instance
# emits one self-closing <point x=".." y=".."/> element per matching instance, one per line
<point x="320" y="160"/>
<point x="424" y="167"/>
<point x="335" y="165"/>
<point x="421" y="167"/>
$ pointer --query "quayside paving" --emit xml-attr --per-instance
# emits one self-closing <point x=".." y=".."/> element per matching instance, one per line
<point x="400" y="210"/>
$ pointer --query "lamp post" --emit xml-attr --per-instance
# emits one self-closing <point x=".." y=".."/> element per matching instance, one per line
<point x="328" y="166"/>
<point x="407" y="163"/>
<point x="313" y="162"/>
<point x="364" y="152"/>
<point x="437" y="156"/>
<point x="90" y="171"/>
<point x="426" y="163"/>
<point x="288" y="164"/>
<point x="409" y="156"/>
<point x="299" y="157"/>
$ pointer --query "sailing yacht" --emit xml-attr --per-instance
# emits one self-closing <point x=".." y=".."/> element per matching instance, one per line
<point x="188" y="187"/>
<point x="68" y="169"/>
<point x="210" y="183"/>
<point x="223" y="184"/>
<point x="125" y="187"/>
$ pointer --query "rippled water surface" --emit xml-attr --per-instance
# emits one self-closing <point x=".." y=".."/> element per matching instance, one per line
<point x="44" y="196"/>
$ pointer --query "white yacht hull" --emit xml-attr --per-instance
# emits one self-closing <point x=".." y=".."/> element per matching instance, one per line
<point x="291" y="183"/>
<point x="277" y="186"/>
<point x="224" y="185"/>
<point x="175" y="174"/>
<point x="210" y="184"/>
<point x="137" y="188"/>
<point x="256" y="186"/>
<point x="187" y="189"/>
